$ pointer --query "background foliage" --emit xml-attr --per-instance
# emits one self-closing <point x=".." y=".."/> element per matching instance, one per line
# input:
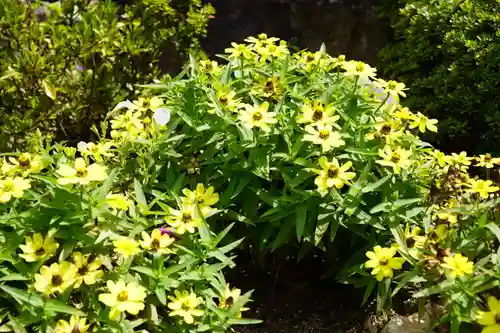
<point x="64" y="64"/>
<point x="447" y="52"/>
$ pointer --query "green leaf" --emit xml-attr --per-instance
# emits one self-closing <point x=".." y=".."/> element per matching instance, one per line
<point x="437" y="289"/>
<point x="243" y="321"/>
<point x="23" y="296"/>
<point x="334" y="227"/>
<point x="405" y="202"/>
<point x="16" y="325"/>
<point x="373" y="186"/>
<point x="106" y="186"/>
<point x="139" y="194"/>
<point x="494" y="228"/>
<point x="161" y="295"/>
<point x="231" y="246"/>
<point x="49" y="89"/>
<point x="368" y="291"/>
<point x="321" y="227"/>
<point x="381" y="207"/>
<point x="58" y="306"/>
<point x="283" y="234"/>
<point x="144" y="270"/>
<point x="300" y="222"/>
<point x="407" y="277"/>
<point x="13" y="277"/>
<point x="222" y="234"/>
<point x="205" y="235"/>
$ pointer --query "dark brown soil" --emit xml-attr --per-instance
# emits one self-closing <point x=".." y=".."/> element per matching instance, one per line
<point x="291" y="298"/>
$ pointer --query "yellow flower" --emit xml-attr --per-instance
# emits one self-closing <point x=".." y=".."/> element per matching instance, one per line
<point x="239" y="50"/>
<point x="390" y="130"/>
<point x="157" y="242"/>
<point x="204" y="198"/>
<point x="144" y="103"/>
<point x="96" y="150"/>
<point x="229" y="297"/>
<point x="333" y="174"/>
<point x="310" y="60"/>
<point x="315" y="112"/>
<point x="382" y="262"/>
<point x="13" y="187"/>
<point x="118" y="201"/>
<point x="210" y="67"/>
<point x="487" y="161"/>
<point x="126" y="246"/>
<point x="458" y="265"/>
<point x="227" y="98"/>
<point x="185" y="304"/>
<point x="446" y="215"/>
<point x="55" y="278"/>
<point x="460" y="161"/>
<point x="271" y="50"/>
<point x="131" y="119"/>
<point x="358" y="68"/>
<point x="257" y="116"/>
<point x="75" y="325"/>
<point x="403" y="113"/>
<point x="7" y="168"/>
<point x="26" y="163"/>
<point x="438" y="156"/>
<point x="414" y="241"/>
<point x="423" y="123"/>
<point x="483" y="187"/>
<point x="323" y="135"/>
<point x="261" y="40"/>
<point x="490" y="319"/>
<point x="86" y="271"/>
<point x="270" y="88"/>
<point x="397" y="158"/>
<point x="391" y="87"/>
<point x="123" y="297"/>
<point x="81" y="173"/>
<point x="185" y="219"/>
<point x="37" y="247"/>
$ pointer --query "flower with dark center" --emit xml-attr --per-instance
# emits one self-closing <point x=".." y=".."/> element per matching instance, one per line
<point x="257" y="116"/>
<point x="186" y="217"/>
<point x="317" y="115"/>
<point x="83" y="270"/>
<point x="123" y="296"/>
<point x="56" y="280"/>
<point x="223" y="100"/>
<point x="155" y="244"/>
<point x="395" y="158"/>
<point x="333" y="172"/>
<point x="410" y="242"/>
<point x="385" y="130"/>
<point x="324" y="134"/>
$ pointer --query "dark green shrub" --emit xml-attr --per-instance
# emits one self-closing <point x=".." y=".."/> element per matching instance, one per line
<point x="64" y="63"/>
<point x="448" y="53"/>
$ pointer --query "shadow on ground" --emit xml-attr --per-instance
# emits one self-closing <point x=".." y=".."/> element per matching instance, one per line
<point x="291" y="298"/>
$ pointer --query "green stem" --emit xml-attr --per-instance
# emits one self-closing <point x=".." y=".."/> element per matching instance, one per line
<point x="383" y="102"/>
<point x="355" y="85"/>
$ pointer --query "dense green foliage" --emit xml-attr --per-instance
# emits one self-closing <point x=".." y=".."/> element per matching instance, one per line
<point x="64" y="64"/>
<point x="448" y="53"/>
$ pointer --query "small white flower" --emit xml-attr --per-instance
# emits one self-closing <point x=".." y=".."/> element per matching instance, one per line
<point x="161" y="116"/>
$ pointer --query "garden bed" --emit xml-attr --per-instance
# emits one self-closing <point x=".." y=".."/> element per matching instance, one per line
<point x="291" y="297"/>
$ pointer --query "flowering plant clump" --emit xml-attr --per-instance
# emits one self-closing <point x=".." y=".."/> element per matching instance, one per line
<point x="296" y="146"/>
<point x="86" y="249"/>
<point x="301" y="146"/>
